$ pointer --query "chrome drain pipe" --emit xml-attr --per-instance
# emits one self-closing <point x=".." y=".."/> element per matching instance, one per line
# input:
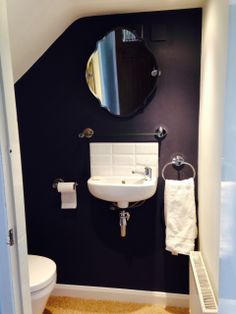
<point x="124" y="217"/>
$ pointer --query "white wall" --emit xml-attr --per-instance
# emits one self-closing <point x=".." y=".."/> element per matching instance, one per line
<point x="227" y="293"/>
<point x="214" y="48"/>
<point x="34" y="25"/>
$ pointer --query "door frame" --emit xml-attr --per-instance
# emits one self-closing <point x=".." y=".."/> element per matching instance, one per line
<point x="14" y="288"/>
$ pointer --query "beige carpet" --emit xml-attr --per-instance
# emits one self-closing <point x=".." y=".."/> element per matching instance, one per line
<point x="66" y="305"/>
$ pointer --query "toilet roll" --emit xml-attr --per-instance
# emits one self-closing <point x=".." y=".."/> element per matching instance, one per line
<point x="68" y="194"/>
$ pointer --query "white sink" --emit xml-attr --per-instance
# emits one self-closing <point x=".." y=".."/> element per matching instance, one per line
<point x="122" y="189"/>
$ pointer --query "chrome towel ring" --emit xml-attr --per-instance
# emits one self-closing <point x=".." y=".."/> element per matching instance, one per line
<point x="178" y="161"/>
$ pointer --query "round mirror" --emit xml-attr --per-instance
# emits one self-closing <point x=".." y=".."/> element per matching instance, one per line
<point x="122" y="73"/>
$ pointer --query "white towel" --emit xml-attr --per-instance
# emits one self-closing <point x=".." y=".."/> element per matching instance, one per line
<point x="180" y="216"/>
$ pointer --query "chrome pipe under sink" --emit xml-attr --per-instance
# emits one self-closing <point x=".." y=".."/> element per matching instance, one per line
<point x="124" y="217"/>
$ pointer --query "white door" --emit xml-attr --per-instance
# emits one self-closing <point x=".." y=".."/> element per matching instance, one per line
<point x="14" y="281"/>
<point x="9" y="302"/>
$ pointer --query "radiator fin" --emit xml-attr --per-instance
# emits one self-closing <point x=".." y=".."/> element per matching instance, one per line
<point x="204" y="289"/>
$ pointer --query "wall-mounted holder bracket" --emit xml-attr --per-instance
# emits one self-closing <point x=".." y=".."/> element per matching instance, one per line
<point x="155" y="73"/>
<point x="86" y="133"/>
<point x="56" y="181"/>
<point x="178" y="161"/>
<point x="161" y="133"/>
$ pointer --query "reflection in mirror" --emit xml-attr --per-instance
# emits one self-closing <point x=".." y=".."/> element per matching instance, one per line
<point x="122" y="72"/>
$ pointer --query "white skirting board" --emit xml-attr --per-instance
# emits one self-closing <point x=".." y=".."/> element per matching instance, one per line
<point x="123" y="295"/>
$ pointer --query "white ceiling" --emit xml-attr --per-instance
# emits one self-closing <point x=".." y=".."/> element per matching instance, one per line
<point x="34" y="25"/>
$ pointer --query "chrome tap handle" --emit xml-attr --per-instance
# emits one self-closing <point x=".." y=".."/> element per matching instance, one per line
<point x="148" y="172"/>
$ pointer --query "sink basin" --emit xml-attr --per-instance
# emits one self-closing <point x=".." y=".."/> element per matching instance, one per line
<point x="122" y="189"/>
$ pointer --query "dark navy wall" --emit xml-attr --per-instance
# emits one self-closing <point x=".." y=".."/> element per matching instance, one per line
<point x="54" y="105"/>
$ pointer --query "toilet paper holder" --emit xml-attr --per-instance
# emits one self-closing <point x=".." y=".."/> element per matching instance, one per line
<point x="58" y="180"/>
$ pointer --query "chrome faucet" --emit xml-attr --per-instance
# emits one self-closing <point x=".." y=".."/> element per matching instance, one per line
<point x="147" y="172"/>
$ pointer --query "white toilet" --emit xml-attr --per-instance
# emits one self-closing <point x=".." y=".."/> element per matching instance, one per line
<point x="42" y="277"/>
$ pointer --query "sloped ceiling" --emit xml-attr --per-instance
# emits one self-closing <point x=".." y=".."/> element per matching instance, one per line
<point x="34" y="25"/>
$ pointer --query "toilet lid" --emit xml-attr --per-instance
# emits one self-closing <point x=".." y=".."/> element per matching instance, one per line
<point x="42" y="271"/>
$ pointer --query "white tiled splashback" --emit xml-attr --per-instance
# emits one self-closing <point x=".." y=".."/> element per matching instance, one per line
<point x="121" y="158"/>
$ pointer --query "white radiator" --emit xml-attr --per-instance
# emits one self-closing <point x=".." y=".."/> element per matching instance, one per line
<point x="202" y="299"/>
